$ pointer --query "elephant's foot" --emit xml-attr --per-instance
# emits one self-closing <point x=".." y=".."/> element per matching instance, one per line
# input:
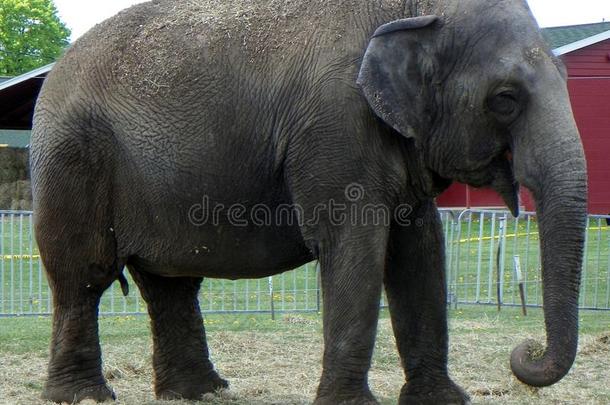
<point x="76" y="393"/>
<point x="438" y="393"/>
<point x="191" y="389"/>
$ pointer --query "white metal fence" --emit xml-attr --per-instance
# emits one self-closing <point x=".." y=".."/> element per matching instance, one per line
<point x="476" y="242"/>
<point x="493" y="258"/>
<point x="24" y="289"/>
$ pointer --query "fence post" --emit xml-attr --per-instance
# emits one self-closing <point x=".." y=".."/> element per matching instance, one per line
<point x="2" y="294"/>
<point x="458" y="235"/>
<point x="271" y="296"/>
<point x="318" y="276"/>
<point x="500" y="261"/>
<point x="519" y="276"/>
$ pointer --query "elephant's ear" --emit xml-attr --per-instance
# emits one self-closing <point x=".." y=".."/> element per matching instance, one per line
<point x="390" y="75"/>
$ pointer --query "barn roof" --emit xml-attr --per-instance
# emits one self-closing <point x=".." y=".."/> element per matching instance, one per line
<point x="565" y="35"/>
<point x="570" y="38"/>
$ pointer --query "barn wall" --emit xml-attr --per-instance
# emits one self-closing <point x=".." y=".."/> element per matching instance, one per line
<point x="591" y="105"/>
<point x="455" y="196"/>
<point x="592" y="61"/>
<point x="462" y="196"/>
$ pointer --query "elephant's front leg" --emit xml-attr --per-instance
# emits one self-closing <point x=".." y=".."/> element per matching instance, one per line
<point x="416" y="291"/>
<point x="182" y="367"/>
<point x="352" y="278"/>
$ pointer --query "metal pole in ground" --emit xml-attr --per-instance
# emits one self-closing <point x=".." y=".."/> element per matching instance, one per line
<point x="271" y="297"/>
<point x="453" y="276"/>
<point x="500" y="261"/>
<point x="517" y="266"/>
<point x="318" y="276"/>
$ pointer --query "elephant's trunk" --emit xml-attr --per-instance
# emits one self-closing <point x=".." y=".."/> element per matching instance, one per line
<point x="549" y="160"/>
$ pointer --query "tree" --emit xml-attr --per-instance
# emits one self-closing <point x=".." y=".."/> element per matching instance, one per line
<point x="31" y="35"/>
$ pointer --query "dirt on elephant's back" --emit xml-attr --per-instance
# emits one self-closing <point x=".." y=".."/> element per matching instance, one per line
<point x="265" y="25"/>
<point x="157" y="43"/>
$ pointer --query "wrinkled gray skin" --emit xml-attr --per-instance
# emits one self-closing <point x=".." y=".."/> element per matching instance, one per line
<point x="290" y="102"/>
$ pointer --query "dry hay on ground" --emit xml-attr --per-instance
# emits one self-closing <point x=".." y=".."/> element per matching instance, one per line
<point x="284" y="367"/>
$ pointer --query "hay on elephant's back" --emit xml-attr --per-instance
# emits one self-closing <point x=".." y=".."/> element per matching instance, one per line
<point x="267" y="24"/>
<point x="422" y="7"/>
<point x="157" y="44"/>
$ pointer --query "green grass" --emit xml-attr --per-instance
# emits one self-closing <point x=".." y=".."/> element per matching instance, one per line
<point x="278" y="362"/>
<point x="19" y="335"/>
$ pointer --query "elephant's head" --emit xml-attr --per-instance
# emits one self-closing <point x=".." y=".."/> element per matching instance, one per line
<point x="474" y="86"/>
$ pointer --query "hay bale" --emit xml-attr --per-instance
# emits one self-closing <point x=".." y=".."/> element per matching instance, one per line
<point x="15" y="187"/>
<point x="16" y="195"/>
<point x="22" y="197"/>
<point x="13" y="164"/>
<point x="6" y="196"/>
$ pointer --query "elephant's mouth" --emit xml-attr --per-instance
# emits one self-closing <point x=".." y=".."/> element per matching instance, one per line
<point x="497" y="174"/>
<point x="504" y="182"/>
<point x="439" y="183"/>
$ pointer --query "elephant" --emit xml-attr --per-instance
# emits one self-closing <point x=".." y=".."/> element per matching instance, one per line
<point x="161" y="117"/>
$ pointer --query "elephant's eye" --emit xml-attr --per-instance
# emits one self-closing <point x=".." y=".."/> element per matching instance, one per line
<point x="504" y="104"/>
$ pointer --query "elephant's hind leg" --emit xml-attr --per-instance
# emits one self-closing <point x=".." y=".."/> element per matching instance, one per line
<point x="80" y="267"/>
<point x="182" y="367"/>
<point x="78" y="248"/>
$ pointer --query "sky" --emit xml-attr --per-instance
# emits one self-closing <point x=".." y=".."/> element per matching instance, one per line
<point x="80" y="15"/>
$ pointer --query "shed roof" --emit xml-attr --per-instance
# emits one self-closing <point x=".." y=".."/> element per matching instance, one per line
<point x="19" y="95"/>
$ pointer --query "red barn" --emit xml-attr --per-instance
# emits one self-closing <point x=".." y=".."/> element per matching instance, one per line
<point x="585" y="50"/>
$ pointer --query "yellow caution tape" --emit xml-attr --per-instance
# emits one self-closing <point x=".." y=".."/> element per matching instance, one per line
<point x="20" y="257"/>
<point x="476" y="239"/>
<point x="513" y="235"/>
<point x="510" y="235"/>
